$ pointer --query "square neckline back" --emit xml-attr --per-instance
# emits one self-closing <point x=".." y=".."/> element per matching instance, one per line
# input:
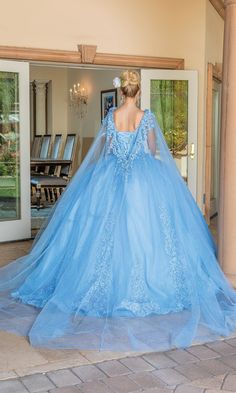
<point x="127" y="131"/>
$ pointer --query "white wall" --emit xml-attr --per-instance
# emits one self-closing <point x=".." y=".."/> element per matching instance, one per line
<point x="94" y="81"/>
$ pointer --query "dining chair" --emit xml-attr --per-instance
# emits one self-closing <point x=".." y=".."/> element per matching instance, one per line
<point x="56" y="146"/>
<point x="36" y="146"/>
<point x="44" y="151"/>
<point x="53" y="185"/>
<point x="68" y="154"/>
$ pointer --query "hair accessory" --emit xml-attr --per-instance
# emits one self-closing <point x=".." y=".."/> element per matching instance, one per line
<point x="116" y="82"/>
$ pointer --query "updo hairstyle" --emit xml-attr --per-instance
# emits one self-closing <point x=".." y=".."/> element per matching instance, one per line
<point x="130" y="83"/>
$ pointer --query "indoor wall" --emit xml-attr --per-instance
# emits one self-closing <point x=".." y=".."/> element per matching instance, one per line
<point x="94" y="81"/>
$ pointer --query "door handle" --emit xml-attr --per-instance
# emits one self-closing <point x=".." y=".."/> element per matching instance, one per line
<point x="192" y="151"/>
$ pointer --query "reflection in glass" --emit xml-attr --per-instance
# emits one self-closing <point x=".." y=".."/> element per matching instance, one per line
<point x="9" y="147"/>
<point x="169" y="102"/>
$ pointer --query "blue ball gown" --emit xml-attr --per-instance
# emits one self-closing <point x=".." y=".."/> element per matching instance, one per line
<point x="125" y="261"/>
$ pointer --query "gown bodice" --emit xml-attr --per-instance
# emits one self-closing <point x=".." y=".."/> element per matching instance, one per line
<point x="128" y="146"/>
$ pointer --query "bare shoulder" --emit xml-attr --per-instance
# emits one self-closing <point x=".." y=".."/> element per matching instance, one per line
<point x="117" y="111"/>
<point x="140" y="113"/>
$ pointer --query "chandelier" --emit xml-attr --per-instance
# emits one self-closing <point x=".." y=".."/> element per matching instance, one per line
<point x="79" y="100"/>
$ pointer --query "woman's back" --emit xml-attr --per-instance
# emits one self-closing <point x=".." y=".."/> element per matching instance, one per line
<point x="127" y="119"/>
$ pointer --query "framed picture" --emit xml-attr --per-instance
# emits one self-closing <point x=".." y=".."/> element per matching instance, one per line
<point x="108" y="100"/>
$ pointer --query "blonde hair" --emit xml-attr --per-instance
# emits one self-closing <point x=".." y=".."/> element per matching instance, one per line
<point x="130" y="83"/>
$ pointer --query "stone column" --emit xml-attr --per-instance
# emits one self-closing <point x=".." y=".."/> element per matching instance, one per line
<point x="227" y="207"/>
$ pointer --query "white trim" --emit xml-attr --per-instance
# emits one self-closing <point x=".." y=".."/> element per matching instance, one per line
<point x="20" y="229"/>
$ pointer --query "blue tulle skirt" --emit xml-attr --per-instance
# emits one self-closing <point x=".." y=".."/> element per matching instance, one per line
<point x="126" y="262"/>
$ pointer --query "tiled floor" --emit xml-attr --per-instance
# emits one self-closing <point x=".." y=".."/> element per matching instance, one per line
<point x="12" y="250"/>
<point x="208" y="368"/>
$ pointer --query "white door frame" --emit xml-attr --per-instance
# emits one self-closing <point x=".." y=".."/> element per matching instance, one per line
<point x="192" y="78"/>
<point x="16" y="229"/>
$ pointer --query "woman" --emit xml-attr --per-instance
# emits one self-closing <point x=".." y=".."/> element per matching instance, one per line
<point x="126" y="260"/>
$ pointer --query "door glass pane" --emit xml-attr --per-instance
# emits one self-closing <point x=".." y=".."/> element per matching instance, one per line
<point x="169" y="102"/>
<point x="9" y="146"/>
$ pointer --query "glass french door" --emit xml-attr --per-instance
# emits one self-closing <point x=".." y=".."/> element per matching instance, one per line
<point x="172" y="97"/>
<point x="15" y="221"/>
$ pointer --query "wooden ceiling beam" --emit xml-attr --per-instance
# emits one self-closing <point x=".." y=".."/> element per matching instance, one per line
<point x="87" y="55"/>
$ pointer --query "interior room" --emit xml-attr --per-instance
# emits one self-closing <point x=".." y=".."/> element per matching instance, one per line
<point x="67" y="106"/>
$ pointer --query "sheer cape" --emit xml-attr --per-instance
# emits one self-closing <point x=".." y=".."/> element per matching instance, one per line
<point x="125" y="260"/>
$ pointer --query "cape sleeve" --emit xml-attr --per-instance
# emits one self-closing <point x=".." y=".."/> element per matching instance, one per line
<point x="151" y="135"/>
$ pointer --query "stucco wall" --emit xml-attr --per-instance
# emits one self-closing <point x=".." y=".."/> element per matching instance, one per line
<point x="214" y="35"/>
<point x="151" y="27"/>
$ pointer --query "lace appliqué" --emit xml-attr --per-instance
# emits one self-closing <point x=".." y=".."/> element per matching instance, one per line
<point x="96" y="299"/>
<point x="138" y="302"/>
<point x="127" y="146"/>
<point x="177" y="263"/>
<point x="36" y="298"/>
